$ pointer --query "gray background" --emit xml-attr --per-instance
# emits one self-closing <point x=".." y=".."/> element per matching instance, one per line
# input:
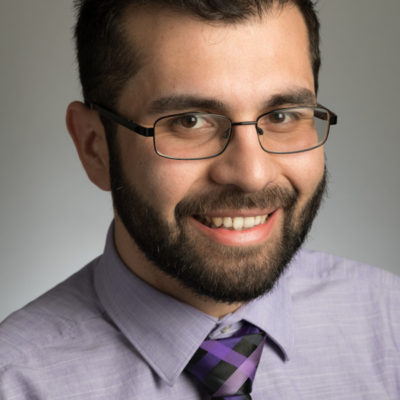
<point x="54" y="221"/>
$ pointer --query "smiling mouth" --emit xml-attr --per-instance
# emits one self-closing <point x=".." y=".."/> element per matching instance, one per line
<point x="232" y="223"/>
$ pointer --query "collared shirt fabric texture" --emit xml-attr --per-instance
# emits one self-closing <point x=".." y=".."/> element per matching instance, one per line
<point x="333" y="332"/>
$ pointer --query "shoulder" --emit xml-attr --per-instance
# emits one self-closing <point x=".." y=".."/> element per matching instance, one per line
<point x="345" y="294"/>
<point x="347" y="313"/>
<point x="51" y="320"/>
<point x="317" y="266"/>
<point x="344" y="289"/>
<point x="63" y="344"/>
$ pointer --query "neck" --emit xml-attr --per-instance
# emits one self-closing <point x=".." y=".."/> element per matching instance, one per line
<point x="136" y="261"/>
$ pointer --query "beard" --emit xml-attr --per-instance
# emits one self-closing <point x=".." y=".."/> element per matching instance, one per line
<point x="210" y="270"/>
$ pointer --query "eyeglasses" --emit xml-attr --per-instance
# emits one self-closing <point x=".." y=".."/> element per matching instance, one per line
<point x="197" y="135"/>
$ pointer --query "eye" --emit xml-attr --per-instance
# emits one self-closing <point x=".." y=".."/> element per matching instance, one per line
<point x="279" y="117"/>
<point x="188" y="121"/>
<point x="191" y="121"/>
<point x="281" y="120"/>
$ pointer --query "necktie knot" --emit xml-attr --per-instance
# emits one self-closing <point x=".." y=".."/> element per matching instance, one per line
<point x="227" y="367"/>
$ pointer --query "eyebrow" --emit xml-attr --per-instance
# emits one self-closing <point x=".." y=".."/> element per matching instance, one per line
<point x="297" y="97"/>
<point x="179" y="103"/>
<point x="183" y="102"/>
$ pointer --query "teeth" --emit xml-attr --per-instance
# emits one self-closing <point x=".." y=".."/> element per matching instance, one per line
<point x="217" y="221"/>
<point x="236" y="223"/>
<point x="249" y="222"/>
<point x="228" y="222"/>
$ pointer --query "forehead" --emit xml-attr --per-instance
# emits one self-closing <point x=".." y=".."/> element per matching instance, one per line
<point x="232" y="63"/>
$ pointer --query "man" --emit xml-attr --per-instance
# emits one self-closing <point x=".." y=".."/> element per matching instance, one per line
<point x="201" y="118"/>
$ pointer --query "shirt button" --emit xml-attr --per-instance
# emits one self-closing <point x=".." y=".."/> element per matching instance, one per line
<point x="226" y="329"/>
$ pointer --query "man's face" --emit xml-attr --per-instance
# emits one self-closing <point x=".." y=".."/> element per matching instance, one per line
<point x="171" y="208"/>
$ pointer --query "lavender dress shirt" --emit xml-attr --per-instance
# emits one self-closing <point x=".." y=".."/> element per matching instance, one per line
<point x="333" y="329"/>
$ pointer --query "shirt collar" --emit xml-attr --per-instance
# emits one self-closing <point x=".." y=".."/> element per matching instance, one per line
<point x="167" y="332"/>
<point x="273" y="314"/>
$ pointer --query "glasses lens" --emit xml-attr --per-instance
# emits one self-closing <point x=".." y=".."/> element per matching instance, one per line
<point x="191" y="136"/>
<point x="293" y="129"/>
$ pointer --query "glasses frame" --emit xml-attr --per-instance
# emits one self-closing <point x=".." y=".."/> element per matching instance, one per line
<point x="149" y="132"/>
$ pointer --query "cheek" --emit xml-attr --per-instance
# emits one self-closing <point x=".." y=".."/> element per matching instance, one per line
<point x="161" y="181"/>
<point x="170" y="181"/>
<point x="304" y="171"/>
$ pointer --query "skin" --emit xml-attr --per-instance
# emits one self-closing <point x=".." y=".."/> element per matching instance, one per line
<point x="241" y="66"/>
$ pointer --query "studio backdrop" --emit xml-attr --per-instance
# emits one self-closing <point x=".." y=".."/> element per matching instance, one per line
<point x="54" y="221"/>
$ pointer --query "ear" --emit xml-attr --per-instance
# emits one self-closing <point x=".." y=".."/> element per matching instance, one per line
<point x="88" y="134"/>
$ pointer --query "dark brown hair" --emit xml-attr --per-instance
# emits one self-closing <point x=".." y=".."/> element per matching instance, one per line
<point x="106" y="59"/>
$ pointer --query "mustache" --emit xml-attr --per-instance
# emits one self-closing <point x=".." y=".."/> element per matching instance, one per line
<point x="269" y="197"/>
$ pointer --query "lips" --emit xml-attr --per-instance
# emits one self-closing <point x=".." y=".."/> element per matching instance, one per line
<point x="243" y="228"/>
<point x="233" y="223"/>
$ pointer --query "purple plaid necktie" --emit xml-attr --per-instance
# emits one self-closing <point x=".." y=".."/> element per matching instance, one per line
<point x="227" y="366"/>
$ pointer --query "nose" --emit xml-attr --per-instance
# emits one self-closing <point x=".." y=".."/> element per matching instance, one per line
<point x="244" y="163"/>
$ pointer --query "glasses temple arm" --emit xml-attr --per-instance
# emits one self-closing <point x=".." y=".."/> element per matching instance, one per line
<point x="332" y="116"/>
<point x="123" y="121"/>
